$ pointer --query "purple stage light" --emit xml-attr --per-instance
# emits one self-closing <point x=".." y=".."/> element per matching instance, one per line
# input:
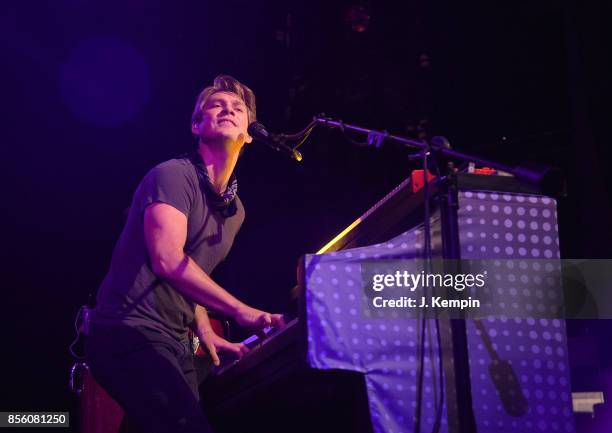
<point x="105" y="82"/>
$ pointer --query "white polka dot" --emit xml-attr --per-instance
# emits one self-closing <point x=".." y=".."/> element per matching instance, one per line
<point x="507" y="223"/>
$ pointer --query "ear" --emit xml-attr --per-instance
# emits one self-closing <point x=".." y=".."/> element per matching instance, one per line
<point x="248" y="139"/>
<point x="195" y="129"/>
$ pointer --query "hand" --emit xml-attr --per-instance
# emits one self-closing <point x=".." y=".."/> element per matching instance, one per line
<point x="215" y="344"/>
<point x="250" y="317"/>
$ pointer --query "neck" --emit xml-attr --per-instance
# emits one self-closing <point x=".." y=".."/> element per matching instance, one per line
<point x="220" y="163"/>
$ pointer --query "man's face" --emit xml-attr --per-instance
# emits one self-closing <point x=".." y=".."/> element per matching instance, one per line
<point x="224" y="116"/>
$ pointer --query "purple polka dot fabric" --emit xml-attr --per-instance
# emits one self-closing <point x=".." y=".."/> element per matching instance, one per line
<point x="342" y="334"/>
<point x="511" y="226"/>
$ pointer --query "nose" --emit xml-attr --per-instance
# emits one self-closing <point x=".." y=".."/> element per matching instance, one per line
<point x="229" y="110"/>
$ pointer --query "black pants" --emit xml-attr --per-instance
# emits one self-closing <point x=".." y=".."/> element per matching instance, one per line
<point x="150" y="375"/>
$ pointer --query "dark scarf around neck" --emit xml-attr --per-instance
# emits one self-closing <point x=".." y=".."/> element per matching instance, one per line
<point x="225" y="203"/>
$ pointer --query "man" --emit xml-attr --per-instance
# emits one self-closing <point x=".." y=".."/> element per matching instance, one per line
<point x="182" y="222"/>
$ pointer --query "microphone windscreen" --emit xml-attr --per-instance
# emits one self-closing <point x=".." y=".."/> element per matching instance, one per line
<point x="257" y="130"/>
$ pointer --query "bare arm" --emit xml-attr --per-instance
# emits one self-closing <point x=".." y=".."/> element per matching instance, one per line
<point x="165" y="230"/>
<point x="201" y="323"/>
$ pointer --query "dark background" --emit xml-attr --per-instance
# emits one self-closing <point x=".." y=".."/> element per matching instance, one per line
<point x="96" y="93"/>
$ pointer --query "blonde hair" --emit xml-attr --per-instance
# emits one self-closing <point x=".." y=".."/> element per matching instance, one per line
<point x="225" y="83"/>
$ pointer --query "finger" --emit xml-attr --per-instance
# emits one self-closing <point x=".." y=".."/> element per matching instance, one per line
<point x="213" y="354"/>
<point x="265" y="320"/>
<point x="234" y="348"/>
<point x="278" y="321"/>
<point x="242" y="349"/>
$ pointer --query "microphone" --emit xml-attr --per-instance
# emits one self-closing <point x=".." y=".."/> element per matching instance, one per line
<point x="276" y="142"/>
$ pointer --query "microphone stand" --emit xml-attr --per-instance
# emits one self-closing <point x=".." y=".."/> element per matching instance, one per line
<point x="532" y="175"/>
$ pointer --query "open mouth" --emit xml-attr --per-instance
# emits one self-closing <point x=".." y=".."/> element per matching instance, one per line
<point x="227" y="120"/>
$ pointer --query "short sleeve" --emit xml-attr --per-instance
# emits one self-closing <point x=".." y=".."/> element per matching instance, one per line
<point x="169" y="182"/>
